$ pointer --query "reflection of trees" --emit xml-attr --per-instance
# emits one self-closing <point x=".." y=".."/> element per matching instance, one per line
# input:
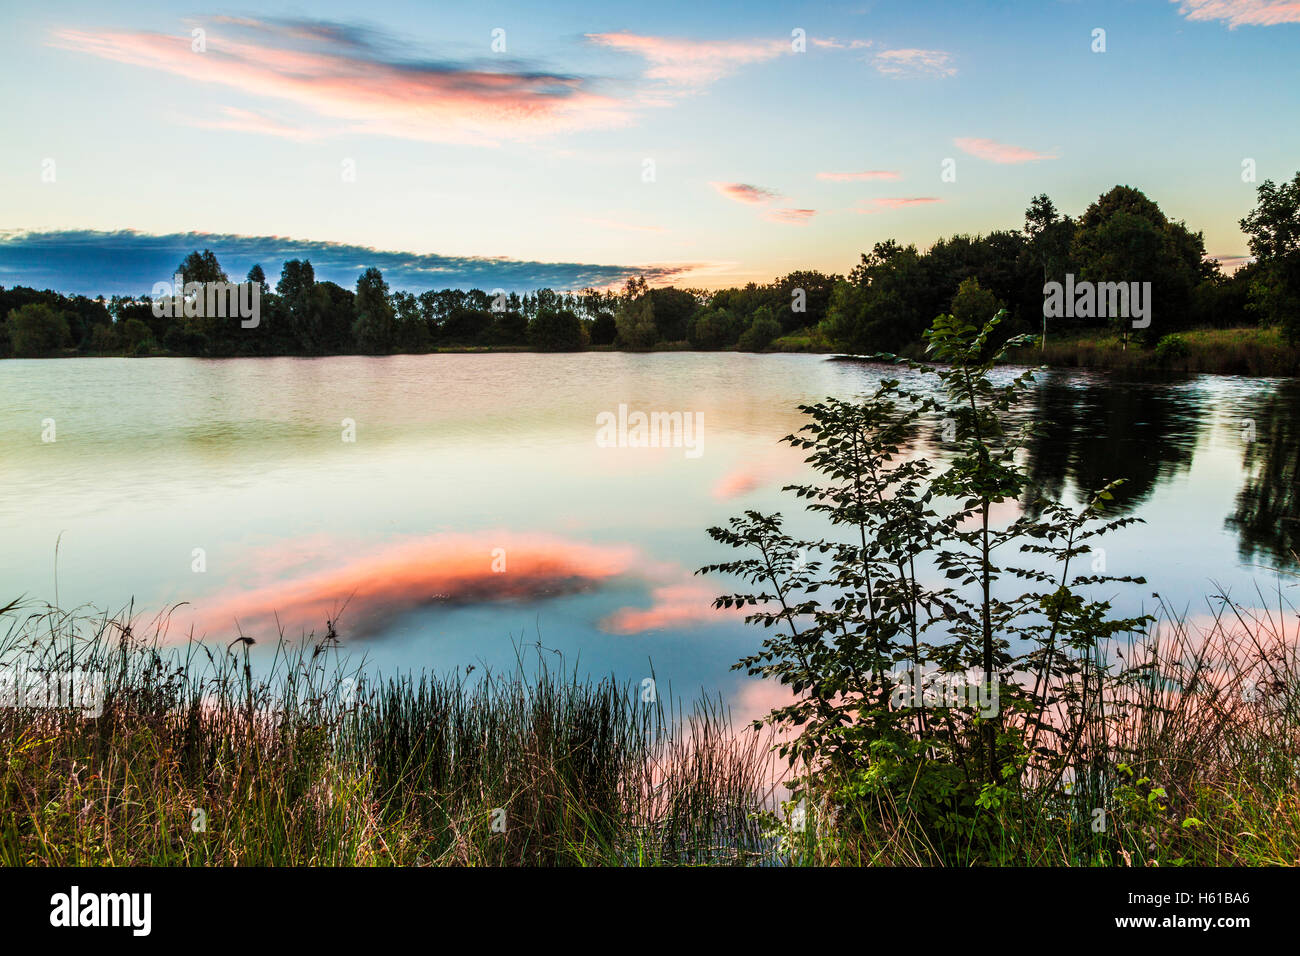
<point x="1267" y="518"/>
<point x="1095" y="432"/>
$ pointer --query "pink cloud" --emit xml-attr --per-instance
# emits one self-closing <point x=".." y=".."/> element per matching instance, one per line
<point x="691" y="63"/>
<point x="737" y="483"/>
<point x="1236" y="13"/>
<point x="860" y="177"/>
<point x="914" y="63"/>
<point x="339" y="75"/>
<point x="868" y="206"/>
<point x="996" y="152"/>
<point x="744" y="192"/>
<point x="790" y="217"/>
<point x="383" y="584"/>
<point x="674" y="605"/>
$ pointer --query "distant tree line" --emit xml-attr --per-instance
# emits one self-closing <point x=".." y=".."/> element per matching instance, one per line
<point x="885" y="302"/>
<point x="895" y="292"/>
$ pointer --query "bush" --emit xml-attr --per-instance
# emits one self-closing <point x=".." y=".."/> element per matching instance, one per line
<point x="1172" y="346"/>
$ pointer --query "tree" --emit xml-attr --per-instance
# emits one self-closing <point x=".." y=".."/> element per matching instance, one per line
<point x="36" y="329"/>
<point x="714" y="329"/>
<point x="376" y="325"/>
<point x="1273" y="230"/>
<point x="302" y="316"/>
<point x="556" y="330"/>
<point x="852" y="626"/>
<point x="604" y="330"/>
<point x="802" y="298"/>
<point x="763" y="328"/>
<point x="202" y="267"/>
<point x="972" y="304"/>
<point x="635" y="321"/>
<point x="1049" y="236"/>
<point x="1124" y="237"/>
<point x="136" y="336"/>
<point x="673" y="311"/>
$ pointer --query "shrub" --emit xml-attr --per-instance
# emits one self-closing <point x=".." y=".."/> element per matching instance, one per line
<point x="1170" y="347"/>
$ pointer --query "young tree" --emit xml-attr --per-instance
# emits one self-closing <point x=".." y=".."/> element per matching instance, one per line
<point x="915" y="579"/>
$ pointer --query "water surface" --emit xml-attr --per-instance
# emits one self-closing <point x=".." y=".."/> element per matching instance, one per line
<point x="475" y="508"/>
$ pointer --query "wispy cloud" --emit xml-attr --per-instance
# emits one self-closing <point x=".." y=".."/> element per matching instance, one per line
<point x="996" y="152"/>
<point x="746" y="193"/>
<point x="674" y="605"/>
<point x="868" y="206"/>
<point x="911" y="62"/>
<point x="691" y="63"/>
<point x="350" y="81"/>
<point x="1237" y="13"/>
<point x="831" y="43"/>
<point x="129" y="263"/>
<point x="863" y="176"/>
<point x="791" y="217"/>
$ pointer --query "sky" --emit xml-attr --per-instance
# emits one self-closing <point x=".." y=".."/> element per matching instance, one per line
<point x="523" y="145"/>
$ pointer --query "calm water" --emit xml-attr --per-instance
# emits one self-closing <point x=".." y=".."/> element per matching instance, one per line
<point x="475" y="508"/>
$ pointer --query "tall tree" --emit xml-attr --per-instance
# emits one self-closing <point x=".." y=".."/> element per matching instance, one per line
<point x="376" y="325"/>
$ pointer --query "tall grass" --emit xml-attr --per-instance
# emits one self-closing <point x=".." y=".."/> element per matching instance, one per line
<point x="1188" y="745"/>
<point x="1187" y="754"/>
<point x="199" y="757"/>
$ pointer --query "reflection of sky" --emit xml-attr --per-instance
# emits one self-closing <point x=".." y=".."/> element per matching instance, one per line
<point x="459" y="454"/>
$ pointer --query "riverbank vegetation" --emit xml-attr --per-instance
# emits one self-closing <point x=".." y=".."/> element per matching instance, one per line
<point x="884" y="303"/>
<point x="958" y="690"/>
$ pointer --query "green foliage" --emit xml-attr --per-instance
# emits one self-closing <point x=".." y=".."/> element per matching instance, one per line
<point x="973" y="303"/>
<point x="635" y="321"/>
<point x="1172" y="346"/>
<point x="713" y="329"/>
<point x="1273" y="228"/>
<point x="894" y="512"/>
<point x="376" y="324"/>
<point x="556" y="331"/>
<point x="136" y="337"/>
<point x="763" y="328"/>
<point x="36" y="330"/>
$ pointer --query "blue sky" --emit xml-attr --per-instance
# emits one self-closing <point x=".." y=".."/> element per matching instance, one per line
<point x="399" y="128"/>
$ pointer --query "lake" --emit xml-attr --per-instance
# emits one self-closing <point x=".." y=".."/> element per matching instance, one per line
<point x="447" y="509"/>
